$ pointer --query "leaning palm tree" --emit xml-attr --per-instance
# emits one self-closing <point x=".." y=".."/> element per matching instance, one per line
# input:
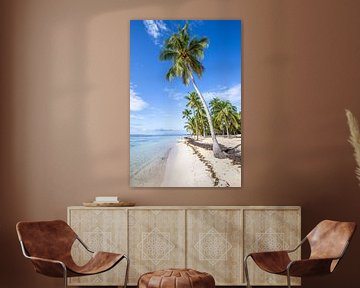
<point x="185" y="52"/>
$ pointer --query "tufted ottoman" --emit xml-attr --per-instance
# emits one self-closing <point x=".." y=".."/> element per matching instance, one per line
<point x="176" y="278"/>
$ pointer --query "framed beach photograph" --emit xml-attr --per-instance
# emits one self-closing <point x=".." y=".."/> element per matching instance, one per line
<point x="185" y="103"/>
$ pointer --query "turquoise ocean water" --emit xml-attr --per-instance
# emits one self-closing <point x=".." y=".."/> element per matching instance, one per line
<point x="147" y="151"/>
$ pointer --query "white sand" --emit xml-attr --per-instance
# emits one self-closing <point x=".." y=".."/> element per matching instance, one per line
<point x="228" y="173"/>
<point x="185" y="169"/>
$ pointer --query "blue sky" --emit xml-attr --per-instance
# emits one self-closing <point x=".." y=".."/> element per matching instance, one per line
<point x="156" y="104"/>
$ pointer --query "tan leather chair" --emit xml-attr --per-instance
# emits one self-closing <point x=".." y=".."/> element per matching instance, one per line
<point x="48" y="245"/>
<point x="328" y="242"/>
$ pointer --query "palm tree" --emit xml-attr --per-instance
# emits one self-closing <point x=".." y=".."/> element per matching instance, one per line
<point x="215" y="104"/>
<point x="225" y="115"/>
<point x="239" y="130"/>
<point x="190" y="126"/>
<point x="203" y="121"/>
<point x="195" y="104"/>
<point x="185" y="52"/>
<point x="187" y="114"/>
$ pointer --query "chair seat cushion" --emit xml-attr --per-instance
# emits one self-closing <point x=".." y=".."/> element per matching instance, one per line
<point x="176" y="278"/>
<point x="99" y="262"/>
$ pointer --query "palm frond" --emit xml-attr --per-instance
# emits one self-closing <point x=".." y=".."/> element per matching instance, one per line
<point x="184" y="35"/>
<point x="197" y="46"/>
<point x="168" y="54"/>
<point x="186" y="76"/>
<point x="171" y="73"/>
<point x="185" y="53"/>
<point x="174" y="43"/>
<point x="196" y="66"/>
<point x="354" y="140"/>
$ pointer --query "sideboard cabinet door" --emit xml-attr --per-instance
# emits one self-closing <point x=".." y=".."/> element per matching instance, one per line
<point x="271" y="230"/>
<point x="214" y="244"/>
<point x="101" y="230"/>
<point x="156" y="240"/>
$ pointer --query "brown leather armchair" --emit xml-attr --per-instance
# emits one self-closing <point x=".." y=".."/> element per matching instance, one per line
<point x="328" y="242"/>
<point x="48" y="245"/>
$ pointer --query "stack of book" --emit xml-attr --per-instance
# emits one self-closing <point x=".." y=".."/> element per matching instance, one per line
<point x="106" y="199"/>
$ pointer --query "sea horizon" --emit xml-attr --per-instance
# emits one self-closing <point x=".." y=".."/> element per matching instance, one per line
<point x="144" y="134"/>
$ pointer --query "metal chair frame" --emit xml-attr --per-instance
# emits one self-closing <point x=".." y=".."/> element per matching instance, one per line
<point x="23" y="249"/>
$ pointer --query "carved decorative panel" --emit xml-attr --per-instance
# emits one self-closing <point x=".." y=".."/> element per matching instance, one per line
<point x="156" y="240"/>
<point x="214" y="241"/>
<point x="270" y="230"/>
<point x="101" y="230"/>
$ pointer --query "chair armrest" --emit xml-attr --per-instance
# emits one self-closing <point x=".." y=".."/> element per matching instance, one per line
<point x="83" y="244"/>
<point x="48" y="267"/>
<point x="309" y="267"/>
<point x="280" y="251"/>
<point x="269" y="252"/>
<point x="45" y="260"/>
<point x="298" y="246"/>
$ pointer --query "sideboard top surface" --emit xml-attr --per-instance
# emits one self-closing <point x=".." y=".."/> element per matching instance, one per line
<point x="193" y="207"/>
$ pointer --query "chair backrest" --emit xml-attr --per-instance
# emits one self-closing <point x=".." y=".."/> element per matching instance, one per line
<point x="329" y="239"/>
<point x="46" y="239"/>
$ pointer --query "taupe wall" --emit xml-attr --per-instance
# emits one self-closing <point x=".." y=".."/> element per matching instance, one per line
<point x="64" y="112"/>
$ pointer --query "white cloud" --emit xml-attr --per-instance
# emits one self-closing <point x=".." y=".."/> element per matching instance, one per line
<point x="173" y="94"/>
<point x="136" y="102"/>
<point x="232" y="94"/>
<point x="136" y="117"/>
<point x="155" y="27"/>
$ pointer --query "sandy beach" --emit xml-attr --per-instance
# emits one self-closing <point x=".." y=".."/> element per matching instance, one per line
<point x="191" y="163"/>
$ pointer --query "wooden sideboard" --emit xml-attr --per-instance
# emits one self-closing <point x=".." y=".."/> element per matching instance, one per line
<point x="213" y="239"/>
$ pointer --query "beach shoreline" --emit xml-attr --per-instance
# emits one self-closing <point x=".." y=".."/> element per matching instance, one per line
<point x="152" y="174"/>
<point x="148" y="156"/>
<point x="191" y="163"/>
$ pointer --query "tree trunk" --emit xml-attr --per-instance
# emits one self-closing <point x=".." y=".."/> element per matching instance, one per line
<point x="216" y="148"/>
<point x="196" y="126"/>
<point x="227" y="131"/>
